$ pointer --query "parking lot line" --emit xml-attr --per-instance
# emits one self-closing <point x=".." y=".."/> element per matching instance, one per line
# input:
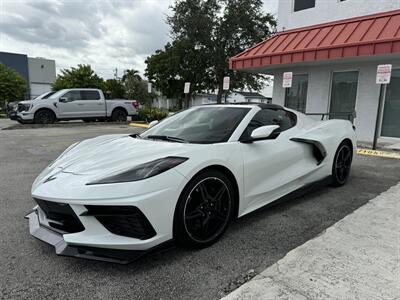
<point x="141" y="125"/>
<point x="378" y="153"/>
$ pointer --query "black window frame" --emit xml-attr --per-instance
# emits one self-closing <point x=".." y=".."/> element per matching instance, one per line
<point x="73" y="91"/>
<point x="84" y="94"/>
<point x="246" y="134"/>
<point x="296" y="79"/>
<point x="299" y="5"/>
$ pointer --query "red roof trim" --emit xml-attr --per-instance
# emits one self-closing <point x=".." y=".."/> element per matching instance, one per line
<point x="367" y="35"/>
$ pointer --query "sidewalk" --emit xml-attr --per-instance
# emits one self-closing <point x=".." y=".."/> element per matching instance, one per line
<point x="356" y="258"/>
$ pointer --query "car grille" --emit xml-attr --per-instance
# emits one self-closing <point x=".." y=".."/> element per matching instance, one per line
<point x="11" y="107"/>
<point x="122" y="220"/>
<point x="60" y="216"/>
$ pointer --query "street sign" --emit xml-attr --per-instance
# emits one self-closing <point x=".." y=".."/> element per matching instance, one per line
<point x="287" y="79"/>
<point x="149" y="87"/>
<point x="187" y="88"/>
<point x="227" y="80"/>
<point x="383" y="74"/>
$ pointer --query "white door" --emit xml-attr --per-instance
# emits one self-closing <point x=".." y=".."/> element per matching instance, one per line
<point x="70" y="105"/>
<point x="93" y="105"/>
<point x="272" y="167"/>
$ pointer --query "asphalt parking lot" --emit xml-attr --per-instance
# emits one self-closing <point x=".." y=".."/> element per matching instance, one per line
<point x="30" y="268"/>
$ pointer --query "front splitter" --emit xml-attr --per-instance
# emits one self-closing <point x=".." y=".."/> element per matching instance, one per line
<point x="62" y="248"/>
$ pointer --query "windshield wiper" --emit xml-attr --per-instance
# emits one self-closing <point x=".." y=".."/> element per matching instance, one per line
<point x="166" y="138"/>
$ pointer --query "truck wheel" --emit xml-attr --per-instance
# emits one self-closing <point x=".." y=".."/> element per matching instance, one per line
<point x="119" y="115"/>
<point x="44" y="117"/>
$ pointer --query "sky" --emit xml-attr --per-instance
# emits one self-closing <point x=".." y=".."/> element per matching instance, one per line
<point x="107" y="34"/>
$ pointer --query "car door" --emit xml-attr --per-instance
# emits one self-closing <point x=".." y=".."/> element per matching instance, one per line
<point x="272" y="166"/>
<point x="70" y="105"/>
<point x="93" y="104"/>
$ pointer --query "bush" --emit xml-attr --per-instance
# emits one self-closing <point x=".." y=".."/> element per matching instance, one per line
<point x="149" y="114"/>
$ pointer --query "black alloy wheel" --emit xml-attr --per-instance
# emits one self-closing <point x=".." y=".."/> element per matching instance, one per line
<point x="119" y="115"/>
<point x="342" y="164"/>
<point x="204" y="210"/>
<point x="44" y="117"/>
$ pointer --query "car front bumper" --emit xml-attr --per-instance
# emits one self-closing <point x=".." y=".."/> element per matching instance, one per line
<point x="25" y="116"/>
<point x="56" y="239"/>
<point x="12" y="115"/>
<point x="117" y="218"/>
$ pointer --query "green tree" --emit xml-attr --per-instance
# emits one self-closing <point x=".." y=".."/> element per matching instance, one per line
<point x="12" y="86"/>
<point x="206" y="33"/>
<point x="114" y="88"/>
<point x="81" y="77"/>
<point x="135" y="87"/>
<point x="176" y="64"/>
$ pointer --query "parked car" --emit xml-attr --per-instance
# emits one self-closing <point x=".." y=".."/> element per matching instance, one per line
<point x="72" y="104"/>
<point x="12" y="107"/>
<point x="184" y="179"/>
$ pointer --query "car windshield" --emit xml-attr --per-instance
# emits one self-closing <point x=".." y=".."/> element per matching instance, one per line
<point x="202" y="125"/>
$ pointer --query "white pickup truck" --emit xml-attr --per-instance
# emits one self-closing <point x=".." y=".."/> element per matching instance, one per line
<point x="73" y="104"/>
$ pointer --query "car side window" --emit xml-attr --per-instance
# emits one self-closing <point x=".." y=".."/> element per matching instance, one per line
<point x="90" y="95"/>
<point x="73" y="95"/>
<point x="285" y="119"/>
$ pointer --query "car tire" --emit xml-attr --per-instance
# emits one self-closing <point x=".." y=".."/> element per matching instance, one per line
<point x="119" y="115"/>
<point x="44" y="117"/>
<point x="204" y="210"/>
<point x="342" y="164"/>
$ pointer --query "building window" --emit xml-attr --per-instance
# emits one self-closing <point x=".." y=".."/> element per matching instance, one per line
<point x="391" y="112"/>
<point x="343" y="94"/>
<point x="296" y="96"/>
<point x="303" y="4"/>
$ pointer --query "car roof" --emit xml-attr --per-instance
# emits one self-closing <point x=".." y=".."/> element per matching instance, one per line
<point x="250" y="104"/>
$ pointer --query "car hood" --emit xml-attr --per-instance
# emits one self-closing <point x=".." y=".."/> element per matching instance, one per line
<point x="111" y="154"/>
<point x="26" y="102"/>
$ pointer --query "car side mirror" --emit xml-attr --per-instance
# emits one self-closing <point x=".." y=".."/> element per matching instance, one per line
<point x="263" y="132"/>
<point x="63" y="100"/>
<point x="153" y="123"/>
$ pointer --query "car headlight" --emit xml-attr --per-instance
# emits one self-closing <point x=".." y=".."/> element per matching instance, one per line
<point x="143" y="171"/>
<point x="24" y="107"/>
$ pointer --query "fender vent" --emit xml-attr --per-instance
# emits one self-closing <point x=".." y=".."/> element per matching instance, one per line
<point x="319" y="151"/>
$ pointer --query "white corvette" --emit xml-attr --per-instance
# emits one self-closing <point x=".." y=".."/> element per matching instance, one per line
<point x="116" y="197"/>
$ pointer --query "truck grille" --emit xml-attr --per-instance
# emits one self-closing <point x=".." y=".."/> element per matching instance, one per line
<point x="60" y="216"/>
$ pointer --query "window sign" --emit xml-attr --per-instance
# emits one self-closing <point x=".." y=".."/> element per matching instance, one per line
<point x="383" y="74"/>
<point x="287" y="79"/>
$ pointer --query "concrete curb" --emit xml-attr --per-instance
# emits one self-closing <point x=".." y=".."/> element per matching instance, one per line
<point x="356" y="258"/>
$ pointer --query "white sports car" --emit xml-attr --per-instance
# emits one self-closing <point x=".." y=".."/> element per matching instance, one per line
<point x="116" y="197"/>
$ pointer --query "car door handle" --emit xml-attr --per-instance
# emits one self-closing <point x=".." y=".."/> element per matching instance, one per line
<point x="81" y="104"/>
<point x="100" y="103"/>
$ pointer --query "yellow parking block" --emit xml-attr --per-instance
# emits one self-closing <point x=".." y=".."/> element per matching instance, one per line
<point x="378" y="153"/>
<point x="139" y="125"/>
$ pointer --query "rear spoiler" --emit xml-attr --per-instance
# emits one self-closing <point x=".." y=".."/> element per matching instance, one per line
<point x="339" y="115"/>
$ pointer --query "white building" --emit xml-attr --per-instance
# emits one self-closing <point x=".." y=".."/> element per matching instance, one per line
<point x="42" y="73"/>
<point x="39" y="73"/>
<point x="334" y="62"/>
